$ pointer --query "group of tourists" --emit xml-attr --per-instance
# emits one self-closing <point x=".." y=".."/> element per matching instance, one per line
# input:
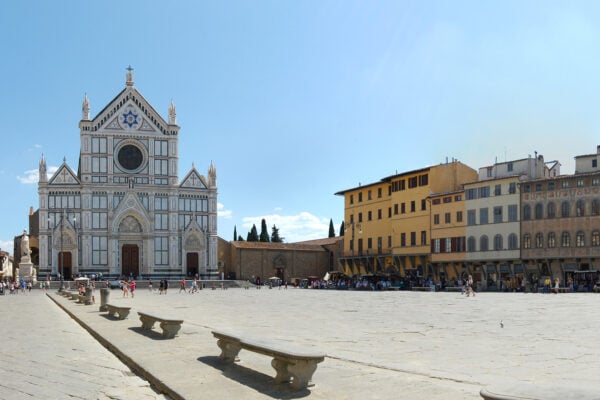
<point x="127" y="287"/>
<point x="194" y="287"/>
<point x="14" y="287"/>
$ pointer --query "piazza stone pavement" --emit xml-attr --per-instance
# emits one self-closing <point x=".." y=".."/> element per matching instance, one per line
<point x="379" y="345"/>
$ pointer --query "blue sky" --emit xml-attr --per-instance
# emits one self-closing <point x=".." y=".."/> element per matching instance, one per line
<point x="295" y="100"/>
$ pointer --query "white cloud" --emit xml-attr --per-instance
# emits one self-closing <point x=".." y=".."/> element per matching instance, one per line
<point x="33" y="175"/>
<point x="293" y="228"/>
<point x="222" y="212"/>
<point x="6" y="245"/>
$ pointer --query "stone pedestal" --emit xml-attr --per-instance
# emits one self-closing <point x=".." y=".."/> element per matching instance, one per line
<point x="104" y="297"/>
<point x="26" y="272"/>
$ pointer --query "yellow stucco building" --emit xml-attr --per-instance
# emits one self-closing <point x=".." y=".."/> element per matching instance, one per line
<point x="388" y="223"/>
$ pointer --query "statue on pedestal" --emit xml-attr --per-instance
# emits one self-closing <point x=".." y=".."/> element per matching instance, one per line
<point x="26" y="270"/>
<point x="25" y="250"/>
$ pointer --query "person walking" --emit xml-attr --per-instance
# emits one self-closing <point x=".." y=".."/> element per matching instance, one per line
<point x="150" y="285"/>
<point x="132" y="288"/>
<point x="182" y="286"/>
<point x="470" y="286"/>
<point x="556" y="286"/>
<point x="125" y="288"/>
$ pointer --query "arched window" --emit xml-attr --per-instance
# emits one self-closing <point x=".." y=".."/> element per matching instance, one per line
<point x="539" y="240"/>
<point x="526" y="241"/>
<point x="564" y="209"/>
<point x="580" y="239"/>
<point x="539" y="211"/>
<point x="551" y="240"/>
<point x="565" y="239"/>
<point x="527" y="212"/>
<point x="596" y="238"/>
<point x="551" y="210"/>
<point x="513" y="242"/>
<point x="471" y="244"/>
<point x="595" y="207"/>
<point x="483" y="243"/>
<point x="580" y="208"/>
<point x="498" y="242"/>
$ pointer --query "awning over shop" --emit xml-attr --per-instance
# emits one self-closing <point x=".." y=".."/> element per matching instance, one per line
<point x="491" y="268"/>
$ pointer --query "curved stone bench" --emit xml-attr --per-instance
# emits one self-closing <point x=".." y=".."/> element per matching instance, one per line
<point x="291" y="364"/>
<point x="117" y="312"/>
<point x="169" y="327"/>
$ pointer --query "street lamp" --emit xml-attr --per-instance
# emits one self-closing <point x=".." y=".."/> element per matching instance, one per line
<point x="62" y="253"/>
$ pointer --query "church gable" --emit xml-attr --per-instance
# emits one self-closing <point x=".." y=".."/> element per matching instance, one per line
<point x="64" y="176"/>
<point x="130" y="112"/>
<point x="194" y="180"/>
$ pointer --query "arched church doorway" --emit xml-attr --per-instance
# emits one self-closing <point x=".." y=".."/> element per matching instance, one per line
<point x="65" y="265"/>
<point x="130" y="260"/>
<point x="192" y="264"/>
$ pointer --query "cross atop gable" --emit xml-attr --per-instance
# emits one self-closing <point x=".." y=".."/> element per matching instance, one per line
<point x="194" y="180"/>
<point x="64" y="176"/>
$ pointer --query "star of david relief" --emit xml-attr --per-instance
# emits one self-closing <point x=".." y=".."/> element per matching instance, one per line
<point x="130" y="119"/>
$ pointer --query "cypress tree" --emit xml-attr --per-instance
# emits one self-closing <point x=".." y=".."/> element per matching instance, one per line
<point x="331" y="229"/>
<point x="252" y="235"/>
<point x="342" y="229"/>
<point x="235" y="235"/>
<point x="264" y="235"/>
<point x="275" y="238"/>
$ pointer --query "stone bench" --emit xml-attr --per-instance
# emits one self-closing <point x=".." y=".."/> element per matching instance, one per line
<point x="117" y="312"/>
<point x="169" y="327"/>
<point x="529" y="391"/>
<point x="291" y="364"/>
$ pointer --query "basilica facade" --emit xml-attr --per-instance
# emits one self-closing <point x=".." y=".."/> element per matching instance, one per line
<point x="124" y="211"/>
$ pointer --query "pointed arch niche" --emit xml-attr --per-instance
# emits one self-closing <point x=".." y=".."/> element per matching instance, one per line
<point x="194" y="250"/>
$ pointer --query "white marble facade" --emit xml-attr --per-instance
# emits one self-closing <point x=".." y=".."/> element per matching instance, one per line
<point x="125" y="211"/>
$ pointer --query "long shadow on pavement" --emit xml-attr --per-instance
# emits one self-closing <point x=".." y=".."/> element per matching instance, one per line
<point x="256" y="380"/>
<point x="154" y="335"/>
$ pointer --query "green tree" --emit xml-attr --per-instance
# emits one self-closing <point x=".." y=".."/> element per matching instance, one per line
<point x="240" y="238"/>
<point x="342" y="229"/>
<point x="252" y="235"/>
<point x="275" y="238"/>
<point x="235" y="235"/>
<point x="331" y="228"/>
<point x="264" y="235"/>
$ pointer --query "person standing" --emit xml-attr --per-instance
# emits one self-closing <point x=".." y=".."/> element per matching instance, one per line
<point x="132" y="288"/>
<point x="182" y="286"/>
<point x="150" y="285"/>
<point x="125" y="289"/>
<point x="470" y="286"/>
